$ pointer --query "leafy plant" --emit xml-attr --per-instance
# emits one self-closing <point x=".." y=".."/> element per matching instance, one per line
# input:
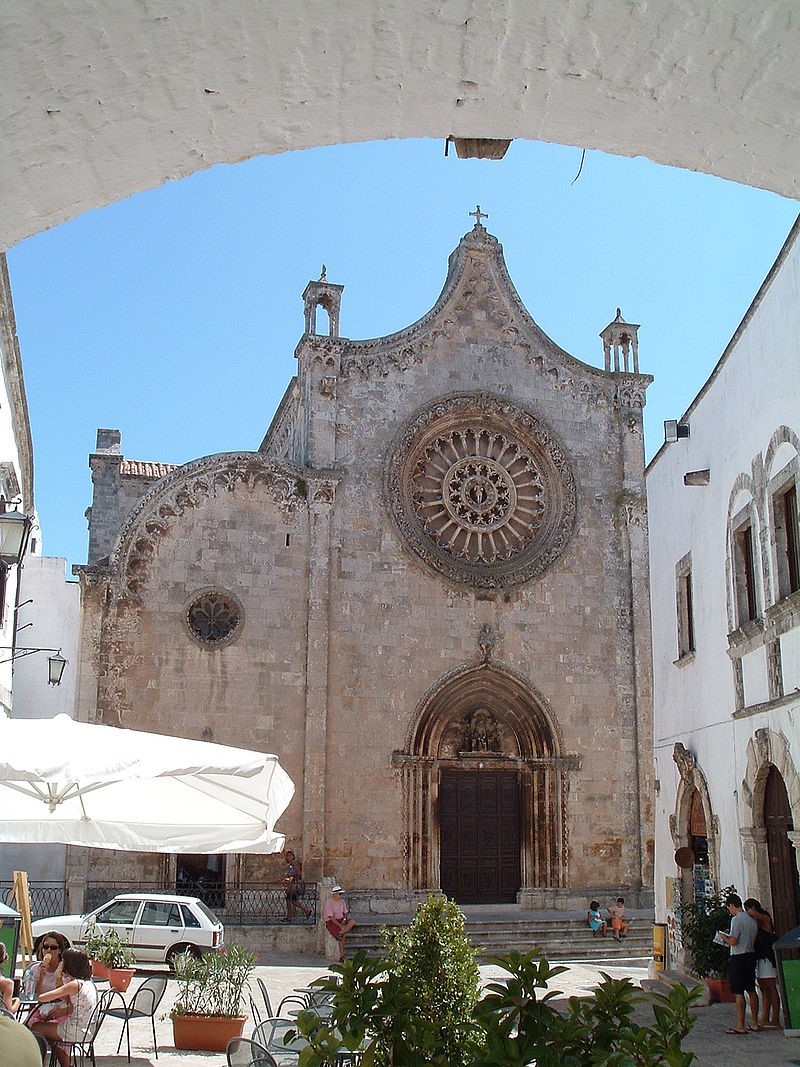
<point x="700" y="921"/>
<point x="212" y="984"/>
<point x="109" y="948"/>
<point x="515" y="1024"/>
<point x="433" y="960"/>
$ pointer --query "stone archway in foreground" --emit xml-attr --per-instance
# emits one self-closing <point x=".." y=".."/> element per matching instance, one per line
<point x="104" y="100"/>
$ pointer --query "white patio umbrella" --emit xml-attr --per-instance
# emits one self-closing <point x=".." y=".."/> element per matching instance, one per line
<point x="83" y="784"/>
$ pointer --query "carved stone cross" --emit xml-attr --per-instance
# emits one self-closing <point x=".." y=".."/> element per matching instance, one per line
<point x="477" y="214"/>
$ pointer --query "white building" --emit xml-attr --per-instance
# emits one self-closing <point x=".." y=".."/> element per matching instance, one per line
<point x="38" y="608"/>
<point x="725" y="595"/>
<point x="16" y="470"/>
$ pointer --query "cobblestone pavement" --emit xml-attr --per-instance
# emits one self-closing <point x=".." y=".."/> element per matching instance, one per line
<point x="283" y="974"/>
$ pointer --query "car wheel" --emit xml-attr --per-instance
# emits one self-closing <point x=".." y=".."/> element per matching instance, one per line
<point x="176" y="950"/>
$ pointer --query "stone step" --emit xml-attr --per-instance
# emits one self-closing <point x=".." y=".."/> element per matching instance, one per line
<point x="556" y="938"/>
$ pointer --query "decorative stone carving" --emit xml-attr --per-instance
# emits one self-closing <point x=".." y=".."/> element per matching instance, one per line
<point x="185" y="489"/>
<point x="685" y="762"/>
<point x="481" y="732"/>
<point x="486" y="642"/>
<point x="481" y="490"/>
<point x="214" y="618"/>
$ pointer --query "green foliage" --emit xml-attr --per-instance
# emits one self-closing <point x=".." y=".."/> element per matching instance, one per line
<point x="212" y="984"/>
<point x="434" y="962"/>
<point x="413" y="1007"/>
<point x="389" y="1013"/>
<point x="109" y="948"/>
<point x="700" y="920"/>
<point x="522" y="1026"/>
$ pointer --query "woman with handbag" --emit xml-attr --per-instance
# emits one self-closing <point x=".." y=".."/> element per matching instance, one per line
<point x="766" y="971"/>
<point x="294" y="887"/>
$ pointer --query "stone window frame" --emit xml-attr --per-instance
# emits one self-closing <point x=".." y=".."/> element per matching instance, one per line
<point x="785" y="531"/>
<point x="684" y="608"/>
<point x="229" y="638"/>
<point x="746" y="566"/>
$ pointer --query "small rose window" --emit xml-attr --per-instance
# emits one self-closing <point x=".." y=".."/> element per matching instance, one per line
<point x="214" y="618"/>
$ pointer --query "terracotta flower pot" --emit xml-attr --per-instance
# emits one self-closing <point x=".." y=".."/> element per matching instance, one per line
<point x="206" y="1033"/>
<point x="719" y="991"/>
<point x="119" y="978"/>
<point x="99" y="970"/>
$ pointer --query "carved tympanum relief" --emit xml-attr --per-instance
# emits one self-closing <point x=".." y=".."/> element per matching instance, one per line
<point x="479" y="732"/>
<point x="482" y="491"/>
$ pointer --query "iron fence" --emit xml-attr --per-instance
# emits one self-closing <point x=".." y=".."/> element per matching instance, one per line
<point x="247" y="905"/>
<point x="47" y="898"/>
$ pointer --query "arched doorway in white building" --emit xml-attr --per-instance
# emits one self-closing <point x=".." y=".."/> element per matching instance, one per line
<point x="781" y="855"/>
<point x="695" y="830"/>
<point x="771" y="789"/>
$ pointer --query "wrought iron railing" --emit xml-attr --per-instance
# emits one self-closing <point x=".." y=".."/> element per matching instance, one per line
<point x="47" y="898"/>
<point x="247" y="905"/>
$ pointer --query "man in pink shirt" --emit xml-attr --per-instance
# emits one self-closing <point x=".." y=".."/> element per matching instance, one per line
<point x="337" y="918"/>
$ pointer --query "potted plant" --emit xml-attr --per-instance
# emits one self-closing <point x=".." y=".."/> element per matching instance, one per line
<point x="207" y="1011"/>
<point x="700" y="921"/>
<point x="95" y="943"/>
<point x="112" y="958"/>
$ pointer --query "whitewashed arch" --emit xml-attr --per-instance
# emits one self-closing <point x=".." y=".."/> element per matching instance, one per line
<point x="102" y="100"/>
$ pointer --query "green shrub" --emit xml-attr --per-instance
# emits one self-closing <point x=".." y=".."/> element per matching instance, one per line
<point x="434" y="961"/>
<point x="405" y="1010"/>
<point x="700" y="920"/>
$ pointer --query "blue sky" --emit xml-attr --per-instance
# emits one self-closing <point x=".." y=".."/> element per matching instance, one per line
<point x="173" y="315"/>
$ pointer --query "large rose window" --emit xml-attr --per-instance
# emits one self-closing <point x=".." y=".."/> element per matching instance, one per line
<point x="481" y="490"/>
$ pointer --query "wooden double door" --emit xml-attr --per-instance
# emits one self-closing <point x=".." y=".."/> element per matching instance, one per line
<point x="783" y="874"/>
<point x="479" y="836"/>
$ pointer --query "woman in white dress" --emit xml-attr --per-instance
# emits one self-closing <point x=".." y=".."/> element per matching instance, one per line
<point x="78" y="991"/>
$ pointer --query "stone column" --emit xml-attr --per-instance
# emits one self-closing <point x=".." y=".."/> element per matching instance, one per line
<point x="756" y="864"/>
<point x="321" y="492"/>
<point x="634" y="656"/>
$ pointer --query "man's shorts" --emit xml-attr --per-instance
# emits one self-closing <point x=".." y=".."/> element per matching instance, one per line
<point x="742" y="972"/>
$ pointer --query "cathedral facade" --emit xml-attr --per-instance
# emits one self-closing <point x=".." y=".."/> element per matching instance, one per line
<point x="426" y="592"/>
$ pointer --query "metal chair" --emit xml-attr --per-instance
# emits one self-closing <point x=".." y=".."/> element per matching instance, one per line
<point x="271" y="1032"/>
<point x="45" y="1048"/>
<point x="84" y="1046"/>
<point x="143" y="1005"/>
<point x="255" y="1012"/>
<point x="242" y="1052"/>
<point x="300" y="1000"/>
<point x="270" y="1014"/>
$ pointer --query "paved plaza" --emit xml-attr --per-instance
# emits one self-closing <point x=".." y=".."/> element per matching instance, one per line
<point x="283" y="974"/>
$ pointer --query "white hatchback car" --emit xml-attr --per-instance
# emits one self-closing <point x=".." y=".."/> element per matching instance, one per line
<point x="156" y="925"/>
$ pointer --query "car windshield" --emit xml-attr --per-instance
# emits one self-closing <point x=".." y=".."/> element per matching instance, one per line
<point x="209" y="914"/>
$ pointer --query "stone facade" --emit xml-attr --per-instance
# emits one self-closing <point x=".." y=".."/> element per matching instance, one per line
<point x="433" y="574"/>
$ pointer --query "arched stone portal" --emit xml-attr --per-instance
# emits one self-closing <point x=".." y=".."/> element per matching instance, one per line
<point x="483" y="732"/>
<point x="694" y="824"/>
<point x="771" y="790"/>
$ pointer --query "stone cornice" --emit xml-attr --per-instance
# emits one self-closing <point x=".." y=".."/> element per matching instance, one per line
<point x="186" y="488"/>
<point x="477" y="270"/>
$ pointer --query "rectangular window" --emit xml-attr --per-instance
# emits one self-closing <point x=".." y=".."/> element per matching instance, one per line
<point x="787" y="541"/>
<point x="685" y="606"/>
<point x="745" y="574"/>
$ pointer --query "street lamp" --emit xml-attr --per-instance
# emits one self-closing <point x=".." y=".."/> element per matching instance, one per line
<point x="55" y="663"/>
<point x="14" y="530"/>
<point x="14" y="527"/>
